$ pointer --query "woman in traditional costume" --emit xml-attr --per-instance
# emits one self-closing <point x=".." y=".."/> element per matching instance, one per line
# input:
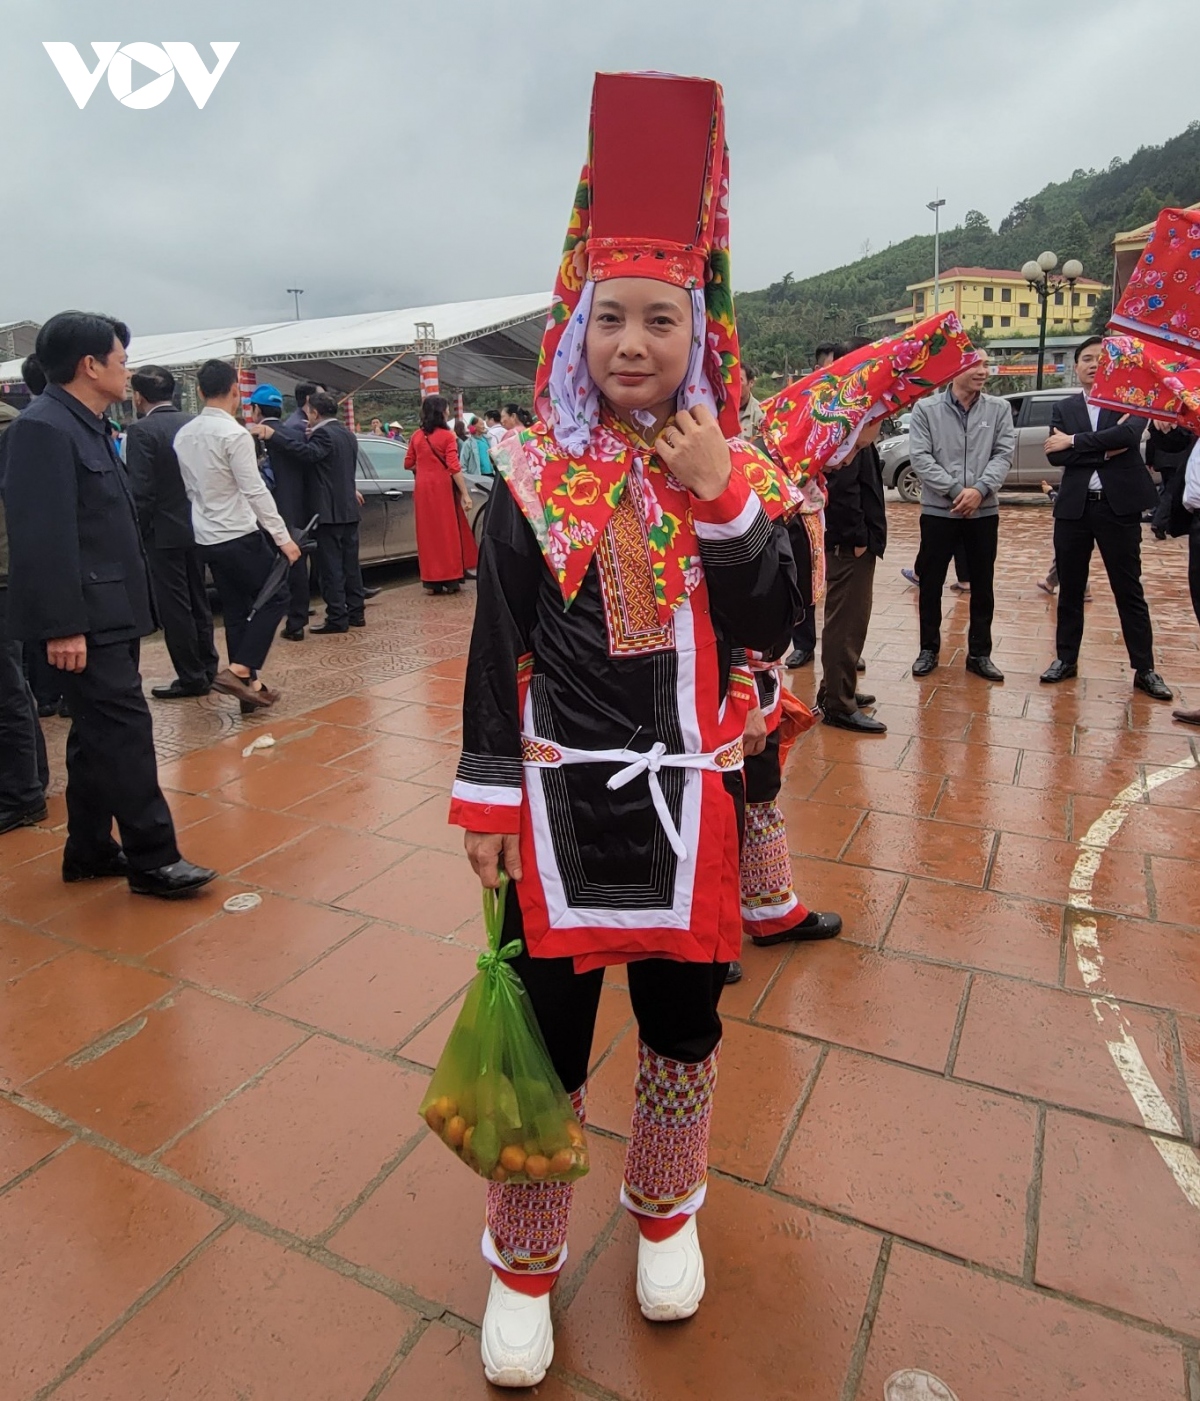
<point x="446" y="548"/>
<point x="628" y="557"/>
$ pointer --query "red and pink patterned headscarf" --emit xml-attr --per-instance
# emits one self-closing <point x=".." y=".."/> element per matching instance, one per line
<point x="1161" y="301"/>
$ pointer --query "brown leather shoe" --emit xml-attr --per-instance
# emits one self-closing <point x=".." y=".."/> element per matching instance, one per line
<point x="263" y="697"/>
<point x="1189" y="717"/>
<point x="231" y="684"/>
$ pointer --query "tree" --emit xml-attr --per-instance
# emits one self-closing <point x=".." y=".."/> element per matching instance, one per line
<point x="977" y="222"/>
<point x="1101" y="314"/>
<point x="1016" y="216"/>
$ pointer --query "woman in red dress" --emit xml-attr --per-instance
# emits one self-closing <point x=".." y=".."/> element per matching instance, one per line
<point x="445" y="545"/>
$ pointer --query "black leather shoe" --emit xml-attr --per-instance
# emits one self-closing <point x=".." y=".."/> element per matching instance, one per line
<point x="178" y="690"/>
<point x="814" y="926"/>
<point x="1153" y="685"/>
<point x="985" y="667"/>
<point x="292" y="634"/>
<point x="325" y="629"/>
<point x="47" y="708"/>
<point x="170" y="882"/>
<point x="26" y="817"/>
<point x="733" y="974"/>
<point x="1059" y="670"/>
<point x="369" y="591"/>
<point x="861" y="699"/>
<point x="856" y="720"/>
<point x="796" y="659"/>
<point x="358" y="622"/>
<point x="860" y="665"/>
<point x="926" y="662"/>
<point x="115" y="865"/>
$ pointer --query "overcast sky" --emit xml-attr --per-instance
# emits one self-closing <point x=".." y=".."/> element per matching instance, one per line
<point x="391" y="153"/>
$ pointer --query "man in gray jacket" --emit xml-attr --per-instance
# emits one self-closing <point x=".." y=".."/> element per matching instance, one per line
<point x="962" y="447"/>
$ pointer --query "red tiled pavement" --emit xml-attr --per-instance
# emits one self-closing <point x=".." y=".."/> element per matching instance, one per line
<point x="926" y="1149"/>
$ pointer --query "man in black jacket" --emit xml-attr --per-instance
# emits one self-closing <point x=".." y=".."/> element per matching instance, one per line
<point x="78" y="583"/>
<point x="331" y="456"/>
<point x="855" y="537"/>
<point x="290" y="487"/>
<point x="1104" y="491"/>
<point x="165" y="517"/>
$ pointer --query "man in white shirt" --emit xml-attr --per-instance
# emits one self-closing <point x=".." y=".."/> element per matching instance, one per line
<point x="495" y="429"/>
<point x="230" y="502"/>
<point x="1191" y="501"/>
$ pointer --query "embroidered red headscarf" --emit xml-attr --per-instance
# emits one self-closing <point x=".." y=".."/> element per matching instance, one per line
<point x="1161" y="301"/>
<point x="1145" y="379"/>
<point x="816" y="422"/>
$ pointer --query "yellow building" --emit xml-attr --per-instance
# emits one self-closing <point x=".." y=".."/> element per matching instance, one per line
<point x="1001" y="302"/>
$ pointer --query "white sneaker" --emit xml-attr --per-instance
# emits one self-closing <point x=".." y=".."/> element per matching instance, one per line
<point x="670" y="1274"/>
<point x="517" y="1342"/>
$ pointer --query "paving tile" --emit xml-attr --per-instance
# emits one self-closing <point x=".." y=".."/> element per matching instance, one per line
<point x="397" y="756"/>
<point x="249" y="952"/>
<point x="759" y="966"/>
<point x="202" y="771"/>
<point x="865" y="899"/>
<point x="1176" y="897"/>
<point x="1162" y="831"/>
<point x="981" y="762"/>
<point x="325" y="864"/>
<point x="24" y="1140"/>
<point x="765" y="1260"/>
<point x="1038" y="813"/>
<point x="993" y="1341"/>
<point x="119" y="922"/>
<point x="239" y="1322"/>
<point x="874" y="1002"/>
<point x="1153" y="963"/>
<point x="837" y="746"/>
<point x="182" y="1058"/>
<point x="364" y="801"/>
<point x="445" y="1365"/>
<point x="354" y="711"/>
<point x="300" y="1145"/>
<point x="426" y="688"/>
<point x="1053" y="1046"/>
<point x="922" y="1157"/>
<point x="323" y="744"/>
<point x="1031" y="735"/>
<point x="879" y="790"/>
<point x="422" y="1227"/>
<point x="22" y="948"/>
<point x="762" y="1075"/>
<point x="1136" y="746"/>
<point x="817" y="829"/>
<point x="1042" y="869"/>
<point x="274" y="782"/>
<point x="920" y="847"/>
<point x="1070" y="774"/>
<point x="918" y="719"/>
<point x="26" y="843"/>
<point x="35" y="890"/>
<point x="84" y="1237"/>
<point x="426" y="825"/>
<point x="423" y="721"/>
<point x="432" y="891"/>
<point x="62" y="1006"/>
<point x="1115" y="1226"/>
<point x="242" y="835"/>
<point x="377" y="987"/>
<point x="1181" y="791"/>
<point x="979" y="929"/>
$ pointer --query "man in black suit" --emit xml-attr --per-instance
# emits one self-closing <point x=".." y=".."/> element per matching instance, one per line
<point x="79" y="584"/>
<point x="165" y="517"/>
<point x="291" y="491"/>
<point x="1104" y="491"/>
<point x="331" y="456"/>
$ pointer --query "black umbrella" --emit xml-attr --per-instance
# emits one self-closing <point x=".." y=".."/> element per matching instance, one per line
<point x="281" y="566"/>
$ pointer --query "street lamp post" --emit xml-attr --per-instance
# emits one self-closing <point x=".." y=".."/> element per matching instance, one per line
<point x="296" y="292"/>
<point x="1043" y="280"/>
<point x="936" y="206"/>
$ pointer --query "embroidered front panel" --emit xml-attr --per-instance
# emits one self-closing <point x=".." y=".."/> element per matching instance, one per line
<point x="766" y="862"/>
<point x="667" y="1159"/>
<point x="626" y="583"/>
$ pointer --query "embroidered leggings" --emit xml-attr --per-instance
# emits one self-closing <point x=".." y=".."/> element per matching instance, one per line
<point x="769" y="903"/>
<point x="679" y="1030"/>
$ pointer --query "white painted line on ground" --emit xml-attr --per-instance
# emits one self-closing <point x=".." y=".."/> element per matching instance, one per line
<point x="1152" y="1104"/>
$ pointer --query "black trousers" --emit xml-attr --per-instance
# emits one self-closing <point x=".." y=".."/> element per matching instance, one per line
<point x="849" y="594"/>
<point x="112" y="771"/>
<point x="675" y="1004"/>
<point x="298" y="594"/>
<point x="44" y="680"/>
<point x="178" y="577"/>
<point x="1194" y="564"/>
<point x="23" y="770"/>
<point x="804" y="634"/>
<point x="977" y="537"/>
<point x="1119" y="539"/>
<point x="341" y="575"/>
<point x="239" y="569"/>
<point x="960" y="564"/>
<point x="762" y="772"/>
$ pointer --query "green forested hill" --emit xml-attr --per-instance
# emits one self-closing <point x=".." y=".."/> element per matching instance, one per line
<point x="1077" y="218"/>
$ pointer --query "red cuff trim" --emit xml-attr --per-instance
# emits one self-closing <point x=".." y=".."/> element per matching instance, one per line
<point x="729" y="505"/>
<point x="484" y="817"/>
<point x="659" y="1228"/>
<point x="533" y="1286"/>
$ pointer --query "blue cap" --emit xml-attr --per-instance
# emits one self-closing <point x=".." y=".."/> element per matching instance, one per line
<point x="267" y="396"/>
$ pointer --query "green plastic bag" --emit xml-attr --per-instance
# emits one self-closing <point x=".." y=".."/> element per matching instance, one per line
<point x="495" y="1099"/>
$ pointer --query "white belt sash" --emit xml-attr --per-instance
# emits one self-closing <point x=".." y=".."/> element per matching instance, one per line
<point x="543" y="754"/>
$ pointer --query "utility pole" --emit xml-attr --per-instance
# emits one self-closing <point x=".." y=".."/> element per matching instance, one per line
<point x="296" y="292"/>
<point x="936" y="206"/>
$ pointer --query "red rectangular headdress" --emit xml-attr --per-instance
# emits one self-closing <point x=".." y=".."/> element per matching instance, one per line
<point x="1145" y="379"/>
<point x="1161" y="301"/>
<point x="815" y="422"/>
<point x="652" y="201"/>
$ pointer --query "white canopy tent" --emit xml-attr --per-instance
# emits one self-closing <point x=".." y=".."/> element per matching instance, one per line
<point x="480" y="343"/>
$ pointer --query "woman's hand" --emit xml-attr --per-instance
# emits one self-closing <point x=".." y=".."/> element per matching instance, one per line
<point x="693" y="449"/>
<point x="754" y="741"/>
<point x="491" y="852"/>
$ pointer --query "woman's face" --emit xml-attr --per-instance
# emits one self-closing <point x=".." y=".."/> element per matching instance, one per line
<point x="639" y="341"/>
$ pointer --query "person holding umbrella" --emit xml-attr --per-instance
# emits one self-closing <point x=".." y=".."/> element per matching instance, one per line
<point x="231" y="510"/>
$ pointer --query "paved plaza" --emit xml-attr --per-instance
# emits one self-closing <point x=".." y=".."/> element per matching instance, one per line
<point x="962" y="1137"/>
